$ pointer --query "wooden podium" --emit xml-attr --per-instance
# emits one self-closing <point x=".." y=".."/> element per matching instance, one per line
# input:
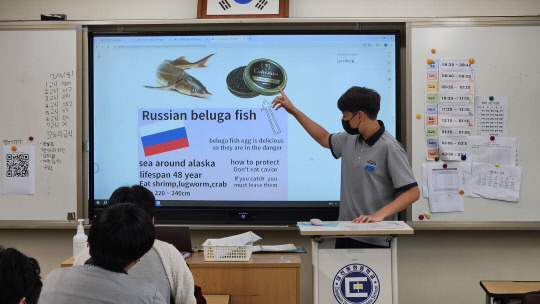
<point x="355" y="275"/>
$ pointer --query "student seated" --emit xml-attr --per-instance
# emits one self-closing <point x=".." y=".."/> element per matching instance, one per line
<point x="163" y="265"/>
<point x="19" y="277"/>
<point x="118" y="238"/>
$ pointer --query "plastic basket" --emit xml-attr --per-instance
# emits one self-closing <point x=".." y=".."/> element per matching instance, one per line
<point x="226" y="253"/>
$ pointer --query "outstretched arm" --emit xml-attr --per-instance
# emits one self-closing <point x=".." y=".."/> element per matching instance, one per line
<point x="404" y="200"/>
<point x="318" y="133"/>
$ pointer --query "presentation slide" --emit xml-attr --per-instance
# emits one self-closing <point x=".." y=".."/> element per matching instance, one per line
<point x="190" y="117"/>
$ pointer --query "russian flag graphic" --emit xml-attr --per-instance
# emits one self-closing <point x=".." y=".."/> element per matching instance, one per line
<point x="163" y="136"/>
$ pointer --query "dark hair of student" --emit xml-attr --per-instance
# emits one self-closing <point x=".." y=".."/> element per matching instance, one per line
<point x="137" y="195"/>
<point x="19" y="277"/>
<point x="360" y="99"/>
<point x="121" y="234"/>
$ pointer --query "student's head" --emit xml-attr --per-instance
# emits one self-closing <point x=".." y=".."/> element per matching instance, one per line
<point x="137" y="195"/>
<point x="362" y="99"/>
<point x="19" y="277"/>
<point x="120" y="235"/>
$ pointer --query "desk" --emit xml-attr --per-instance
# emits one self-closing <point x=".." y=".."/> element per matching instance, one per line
<point x="262" y="280"/>
<point x="355" y="275"/>
<point x="508" y="289"/>
<point x="68" y="262"/>
<point x="217" y="299"/>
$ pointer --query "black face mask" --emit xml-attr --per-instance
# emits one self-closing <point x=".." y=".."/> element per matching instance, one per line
<point x="347" y="126"/>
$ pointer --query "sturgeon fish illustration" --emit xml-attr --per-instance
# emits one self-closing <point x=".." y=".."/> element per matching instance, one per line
<point x="172" y="76"/>
<point x="183" y="64"/>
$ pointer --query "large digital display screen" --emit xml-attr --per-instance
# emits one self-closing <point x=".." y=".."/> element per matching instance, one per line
<point x="189" y="116"/>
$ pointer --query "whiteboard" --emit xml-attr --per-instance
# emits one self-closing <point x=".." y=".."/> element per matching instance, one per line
<point x="506" y="64"/>
<point x="38" y="108"/>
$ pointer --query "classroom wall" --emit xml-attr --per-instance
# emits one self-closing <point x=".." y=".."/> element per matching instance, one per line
<point x="434" y="266"/>
<point x="13" y="10"/>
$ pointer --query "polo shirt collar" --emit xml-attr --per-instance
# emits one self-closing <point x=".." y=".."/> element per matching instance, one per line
<point x="373" y="139"/>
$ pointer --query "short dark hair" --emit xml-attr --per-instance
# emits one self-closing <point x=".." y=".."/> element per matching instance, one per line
<point x="137" y="195"/>
<point x="121" y="234"/>
<point x="19" y="277"/>
<point x="360" y="99"/>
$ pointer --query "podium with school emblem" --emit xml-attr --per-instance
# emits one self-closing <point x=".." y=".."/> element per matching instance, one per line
<point x="354" y="276"/>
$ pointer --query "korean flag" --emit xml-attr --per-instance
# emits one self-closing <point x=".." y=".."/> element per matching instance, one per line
<point x="242" y="7"/>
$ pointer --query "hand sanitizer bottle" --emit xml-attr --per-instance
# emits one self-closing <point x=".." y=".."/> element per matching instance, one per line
<point x="79" y="240"/>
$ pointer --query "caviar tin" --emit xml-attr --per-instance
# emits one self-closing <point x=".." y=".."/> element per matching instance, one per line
<point x="263" y="76"/>
<point x="236" y="84"/>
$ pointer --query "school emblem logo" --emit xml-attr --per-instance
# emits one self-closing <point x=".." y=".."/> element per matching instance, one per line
<point x="356" y="284"/>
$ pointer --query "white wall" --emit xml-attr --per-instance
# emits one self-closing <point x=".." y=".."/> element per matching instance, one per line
<point x="411" y="8"/>
<point x="13" y="10"/>
<point x="434" y="266"/>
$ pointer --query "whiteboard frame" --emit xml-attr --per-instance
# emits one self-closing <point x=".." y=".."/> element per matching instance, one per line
<point x="58" y="224"/>
<point x="456" y="224"/>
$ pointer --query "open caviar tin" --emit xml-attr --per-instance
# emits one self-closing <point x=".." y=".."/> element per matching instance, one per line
<point x="263" y="76"/>
<point x="237" y="85"/>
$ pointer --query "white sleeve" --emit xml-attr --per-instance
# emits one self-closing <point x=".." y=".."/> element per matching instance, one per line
<point x="178" y="273"/>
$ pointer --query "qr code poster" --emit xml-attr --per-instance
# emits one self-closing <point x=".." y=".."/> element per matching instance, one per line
<point x="18" y="175"/>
